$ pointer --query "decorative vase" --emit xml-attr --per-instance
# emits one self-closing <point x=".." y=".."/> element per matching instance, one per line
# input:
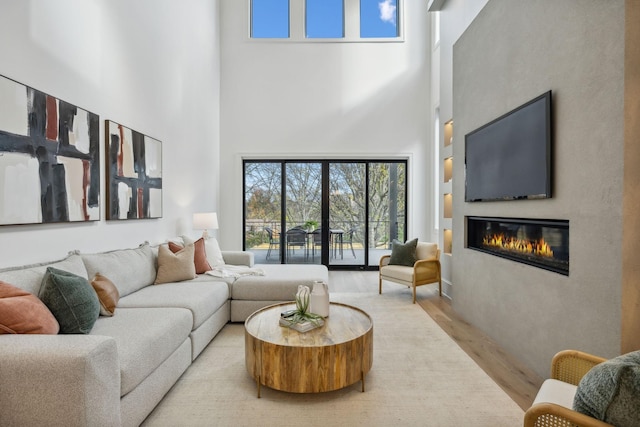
<point x="319" y="299"/>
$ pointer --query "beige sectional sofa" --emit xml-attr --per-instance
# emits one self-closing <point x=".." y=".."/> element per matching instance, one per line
<point x="118" y="373"/>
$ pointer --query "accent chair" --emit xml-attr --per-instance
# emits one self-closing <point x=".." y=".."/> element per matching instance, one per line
<point x="425" y="270"/>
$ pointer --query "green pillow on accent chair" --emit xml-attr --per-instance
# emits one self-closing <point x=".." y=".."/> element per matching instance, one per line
<point x="403" y="253"/>
<point x="610" y="391"/>
<point x="71" y="299"/>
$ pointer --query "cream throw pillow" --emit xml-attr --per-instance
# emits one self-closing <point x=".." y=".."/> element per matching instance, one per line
<point x="175" y="267"/>
<point x="199" y="256"/>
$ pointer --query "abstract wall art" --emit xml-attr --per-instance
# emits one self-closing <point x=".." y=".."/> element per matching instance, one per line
<point x="134" y="173"/>
<point x="49" y="158"/>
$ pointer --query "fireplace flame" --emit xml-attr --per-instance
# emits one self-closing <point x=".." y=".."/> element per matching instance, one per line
<point x="513" y="244"/>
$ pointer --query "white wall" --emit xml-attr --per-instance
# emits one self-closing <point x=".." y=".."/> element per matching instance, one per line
<point x="151" y="65"/>
<point x="324" y="100"/>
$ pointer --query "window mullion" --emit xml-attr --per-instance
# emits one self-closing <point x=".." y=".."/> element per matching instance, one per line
<point x="296" y="19"/>
<point x="352" y="19"/>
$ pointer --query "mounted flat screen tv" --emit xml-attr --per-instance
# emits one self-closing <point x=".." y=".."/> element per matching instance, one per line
<point x="510" y="157"/>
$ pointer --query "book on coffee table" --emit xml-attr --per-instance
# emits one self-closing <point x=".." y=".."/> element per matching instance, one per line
<point x="305" y="326"/>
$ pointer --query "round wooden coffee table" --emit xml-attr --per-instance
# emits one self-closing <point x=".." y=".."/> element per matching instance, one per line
<point x="333" y="356"/>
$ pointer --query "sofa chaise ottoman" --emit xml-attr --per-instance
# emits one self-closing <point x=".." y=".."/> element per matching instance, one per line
<point x="278" y="284"/>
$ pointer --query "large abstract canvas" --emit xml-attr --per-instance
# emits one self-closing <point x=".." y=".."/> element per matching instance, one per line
<point x="134" y="173"/>
<point x="49" y="158"/>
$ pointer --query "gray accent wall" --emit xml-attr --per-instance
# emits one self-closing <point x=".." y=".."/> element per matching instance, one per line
<point x="631" y="202"/>
<point x="512" y="52"/>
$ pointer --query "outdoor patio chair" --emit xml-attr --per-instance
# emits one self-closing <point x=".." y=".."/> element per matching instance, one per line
<point x="348" y="239"/>
<point x="296" y="238"/>
<point x="274" y="240"/>
<point x="316" y="241"/>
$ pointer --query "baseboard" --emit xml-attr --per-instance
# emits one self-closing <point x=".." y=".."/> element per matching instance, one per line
<point x="447" y="289"/>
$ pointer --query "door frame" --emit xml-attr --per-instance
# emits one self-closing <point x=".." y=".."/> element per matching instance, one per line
<point x="325" y="208"/>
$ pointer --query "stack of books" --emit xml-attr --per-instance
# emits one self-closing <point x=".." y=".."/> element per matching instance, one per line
<point x="304" y="326"/>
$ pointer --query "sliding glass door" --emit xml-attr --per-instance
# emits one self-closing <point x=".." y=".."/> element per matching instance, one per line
<point x="263" y="210"/>
<point x="341" y="213"/>
<point x="387" y="205"/>
<point x="347" y="212"/>
<point x="303" y="212"/>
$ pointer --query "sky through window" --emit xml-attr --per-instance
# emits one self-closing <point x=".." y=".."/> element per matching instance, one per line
<point x="270" y="18"/>
<point x="378" y="18"/>
<point x="324" y="18"/>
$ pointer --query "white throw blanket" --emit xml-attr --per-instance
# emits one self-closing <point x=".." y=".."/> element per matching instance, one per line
<point x="235" y="271"/>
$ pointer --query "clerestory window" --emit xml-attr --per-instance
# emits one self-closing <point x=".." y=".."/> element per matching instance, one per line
<point x="326" y="20"/>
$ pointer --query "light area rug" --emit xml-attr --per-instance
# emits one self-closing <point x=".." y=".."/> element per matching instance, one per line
<point x="420" y="377"/>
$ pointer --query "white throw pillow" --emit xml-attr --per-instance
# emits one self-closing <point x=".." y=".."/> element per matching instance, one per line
<point x="214" y="254"/>
<point x="212" y="248"/>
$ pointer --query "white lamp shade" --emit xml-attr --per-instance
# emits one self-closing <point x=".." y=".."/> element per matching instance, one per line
<point x="205" y="221"/>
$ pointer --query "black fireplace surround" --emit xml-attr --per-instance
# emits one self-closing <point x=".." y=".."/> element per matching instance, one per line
<point x="543" y="243"/>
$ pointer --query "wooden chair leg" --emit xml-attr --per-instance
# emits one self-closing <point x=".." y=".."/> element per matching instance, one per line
<point x="414" y="293"/>
<point x="380" y="285"/>
<point x="440" y="286"/>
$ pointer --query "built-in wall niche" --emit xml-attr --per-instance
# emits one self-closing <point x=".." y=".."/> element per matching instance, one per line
<point x="448" y="169"/>
<point x="448" y="206"/>
<point x="448" y="133"/>
<point x="448" y="241"/>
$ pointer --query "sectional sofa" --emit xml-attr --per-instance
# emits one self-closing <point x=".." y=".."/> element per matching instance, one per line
<point x="118" y="372"/>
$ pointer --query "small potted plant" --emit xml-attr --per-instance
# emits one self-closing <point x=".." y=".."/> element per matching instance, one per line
<point x="311" y="225"/>
<point x="301" y="314"/>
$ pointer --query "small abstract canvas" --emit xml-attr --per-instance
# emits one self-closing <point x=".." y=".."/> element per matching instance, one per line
<point x="134" y="173"/>
<point x="49" y="158"/>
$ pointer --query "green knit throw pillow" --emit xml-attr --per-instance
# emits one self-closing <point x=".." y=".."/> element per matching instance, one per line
<point x="403" y="253"/>
<point x="71" y="299"/>
<point x="610" y="391"/>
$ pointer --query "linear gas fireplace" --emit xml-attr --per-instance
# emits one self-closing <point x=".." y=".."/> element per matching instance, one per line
<point x="541" y="243"/>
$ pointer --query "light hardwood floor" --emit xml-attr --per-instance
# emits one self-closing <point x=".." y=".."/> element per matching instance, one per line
<point x="518" y="381"/>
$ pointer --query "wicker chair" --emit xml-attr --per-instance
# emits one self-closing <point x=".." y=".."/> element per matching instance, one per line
<point x="568" y="366"/>
<point x="426" y="269"/>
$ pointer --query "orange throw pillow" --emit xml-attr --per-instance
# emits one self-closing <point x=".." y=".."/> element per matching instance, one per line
<point x="108" y="294"/>
<point x="199" y="258"/>
<point x="23" y="313"/>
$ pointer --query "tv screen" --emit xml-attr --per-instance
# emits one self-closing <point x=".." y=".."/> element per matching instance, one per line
<point x="510" y="157"/>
